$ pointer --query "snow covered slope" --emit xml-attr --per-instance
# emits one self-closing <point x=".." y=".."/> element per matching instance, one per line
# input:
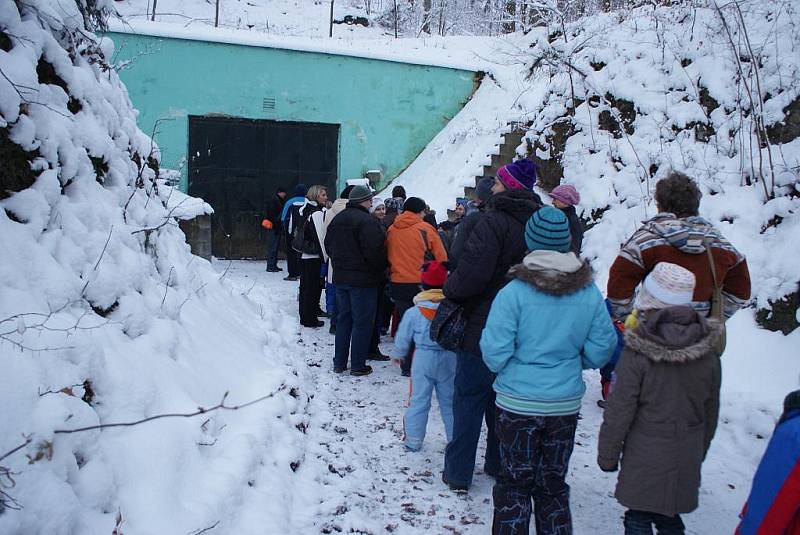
<point x="106" y="317"/>
<point x="310" y="18"/>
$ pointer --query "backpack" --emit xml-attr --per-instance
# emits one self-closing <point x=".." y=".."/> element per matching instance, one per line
<point x="303" y="242"/>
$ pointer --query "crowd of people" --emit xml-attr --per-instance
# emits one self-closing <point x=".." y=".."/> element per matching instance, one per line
<point x="496" y="312"/>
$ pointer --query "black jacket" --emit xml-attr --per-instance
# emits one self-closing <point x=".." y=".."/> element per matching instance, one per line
<point x="356" y="245"/>
<point x="273" y="211"/>
<point x="496" y="243"/>
<point x="461" y="235"/>
<point x="575" y="229"/>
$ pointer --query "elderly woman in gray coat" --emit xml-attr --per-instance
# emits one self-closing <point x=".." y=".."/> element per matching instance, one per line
<point x="662" y="411"/>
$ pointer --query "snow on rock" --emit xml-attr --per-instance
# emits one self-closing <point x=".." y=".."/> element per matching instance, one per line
<point x="106" y="317"/>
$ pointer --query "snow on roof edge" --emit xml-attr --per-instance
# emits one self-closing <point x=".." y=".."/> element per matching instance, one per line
<point x="336" y="47"/>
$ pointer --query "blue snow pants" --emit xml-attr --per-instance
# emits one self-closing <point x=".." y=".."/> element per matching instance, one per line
<point x="431" y="370"/>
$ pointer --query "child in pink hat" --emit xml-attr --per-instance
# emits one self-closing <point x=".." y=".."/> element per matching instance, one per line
<point x="565" y="197"/>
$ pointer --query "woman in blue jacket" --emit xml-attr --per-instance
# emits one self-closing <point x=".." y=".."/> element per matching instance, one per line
<point x="546" y="326"/>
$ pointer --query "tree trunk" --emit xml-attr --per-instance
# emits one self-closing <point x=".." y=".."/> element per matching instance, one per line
<point x="510" y="20"/>
<point x="153" y="16"/>
<point x="216" y="16"/>
<point x="426" y="17"/>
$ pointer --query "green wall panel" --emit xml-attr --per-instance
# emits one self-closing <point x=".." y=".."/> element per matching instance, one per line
<point x="388" y="111"/>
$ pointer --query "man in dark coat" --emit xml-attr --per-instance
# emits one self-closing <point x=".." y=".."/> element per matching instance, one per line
<point x="496" y="243"/>
<point x="355" y="243"/>
<point x="464" y="229"/>
<point x="273" y="214"/>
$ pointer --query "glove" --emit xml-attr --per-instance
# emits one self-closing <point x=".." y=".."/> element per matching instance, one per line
<point x="605" y="466"/>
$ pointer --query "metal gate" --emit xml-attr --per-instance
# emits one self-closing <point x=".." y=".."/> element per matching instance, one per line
<point x="237" y="164"/>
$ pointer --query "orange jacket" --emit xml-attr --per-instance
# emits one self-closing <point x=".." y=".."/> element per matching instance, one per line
<point x="406" y="247"/>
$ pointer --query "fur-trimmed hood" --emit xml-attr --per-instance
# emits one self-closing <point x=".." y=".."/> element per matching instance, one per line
<point x="675" y="334"/>
<point x="553" y="273"/>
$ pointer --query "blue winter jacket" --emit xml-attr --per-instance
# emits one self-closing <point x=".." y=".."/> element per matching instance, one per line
<point x="418" y="328"/>
<point x="544" y="328"/>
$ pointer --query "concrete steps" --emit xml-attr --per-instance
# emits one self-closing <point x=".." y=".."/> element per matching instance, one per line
<point x="505" y="153"/>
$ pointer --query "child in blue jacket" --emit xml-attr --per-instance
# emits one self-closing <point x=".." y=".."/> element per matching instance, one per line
<point x="773" y="507"/>
<point x="433" y="367"/>
<point x="544" y="328"/>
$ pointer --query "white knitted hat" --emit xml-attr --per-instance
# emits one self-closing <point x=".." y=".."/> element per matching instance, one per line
<point x="668" y="285"/>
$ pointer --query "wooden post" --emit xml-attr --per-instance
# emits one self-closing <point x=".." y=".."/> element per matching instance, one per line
<point x="330" y="31"/>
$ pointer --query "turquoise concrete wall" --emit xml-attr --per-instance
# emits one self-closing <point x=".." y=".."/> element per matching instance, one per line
<point x="388" y="111"/>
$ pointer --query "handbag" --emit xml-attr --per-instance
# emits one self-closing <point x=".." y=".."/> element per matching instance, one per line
<point x="429" y="256"/>
<point x="717" y="311"/>
<point x="448" y="325"/>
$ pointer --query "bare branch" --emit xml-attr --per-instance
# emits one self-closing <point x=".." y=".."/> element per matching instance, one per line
<point x="204" y="530"/>
<point x="200" y="410"/>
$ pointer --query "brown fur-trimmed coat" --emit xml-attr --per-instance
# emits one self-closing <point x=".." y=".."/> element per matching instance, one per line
<point x="662" y="412"/>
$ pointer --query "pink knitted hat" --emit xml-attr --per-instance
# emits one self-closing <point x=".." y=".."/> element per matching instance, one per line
<point x="668" y="285"/>
<point x="566" y="194"/>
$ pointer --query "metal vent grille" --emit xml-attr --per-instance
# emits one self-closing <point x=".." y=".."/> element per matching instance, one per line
<point x="268" y="104"/>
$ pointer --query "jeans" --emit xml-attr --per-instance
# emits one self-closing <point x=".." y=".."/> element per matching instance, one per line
<point x="273" y="244"/>
<point x="641" y="522"/>
<point x="534" y="458"/>
<point x="473" y="398"/>
<point x="354" y="322"/>
<point x="310" y="290"/>
<point x="432" y="370"/>
<point x="330" y="301"/>
<point x="403" y="296"/>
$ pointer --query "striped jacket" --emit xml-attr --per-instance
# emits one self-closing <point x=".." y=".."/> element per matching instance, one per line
<point x="665" y="238"/>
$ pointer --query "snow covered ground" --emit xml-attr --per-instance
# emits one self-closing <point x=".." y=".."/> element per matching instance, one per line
<point x="367" y="483"/>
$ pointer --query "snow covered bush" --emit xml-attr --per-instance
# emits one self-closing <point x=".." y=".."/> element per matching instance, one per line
<point x="711" y="92"/>
<point x="106" y="317"/>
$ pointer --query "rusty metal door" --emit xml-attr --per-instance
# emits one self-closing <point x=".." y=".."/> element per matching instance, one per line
<point x="237" y="164"/>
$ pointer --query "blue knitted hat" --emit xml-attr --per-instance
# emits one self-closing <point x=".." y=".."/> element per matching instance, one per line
<point x="547" y="229"/>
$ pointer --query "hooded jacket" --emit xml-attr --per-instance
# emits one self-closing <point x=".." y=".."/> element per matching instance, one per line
<point x="546" y="326"/>
<point x="496" y="243"/>
<point x="666" y="238"/>
<point x="406" y="246"/>
<point x="662" y="412"/>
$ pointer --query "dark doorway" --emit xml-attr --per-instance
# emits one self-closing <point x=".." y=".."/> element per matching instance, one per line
<point x="237" y="164"/>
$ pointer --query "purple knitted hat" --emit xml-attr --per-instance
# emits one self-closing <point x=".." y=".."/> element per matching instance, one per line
<point x="566" y="194"/>
<point x="518" y="175"/>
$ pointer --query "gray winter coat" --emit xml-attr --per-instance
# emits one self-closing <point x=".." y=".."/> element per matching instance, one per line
<point x="662" y="411"/>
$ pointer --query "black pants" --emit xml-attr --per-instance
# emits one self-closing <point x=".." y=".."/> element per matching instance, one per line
<point x="534" y="459"/>
<point x="380" y="313"/>
<point x="403" y="296"/>
<point x="310" y="290"/>
<point x="642" y="522"/>
<point x="292" y="258"/>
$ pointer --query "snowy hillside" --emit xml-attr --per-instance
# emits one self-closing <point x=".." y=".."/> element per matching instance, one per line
<point x="106" y="317"/>
<point x="625" y="98"/>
